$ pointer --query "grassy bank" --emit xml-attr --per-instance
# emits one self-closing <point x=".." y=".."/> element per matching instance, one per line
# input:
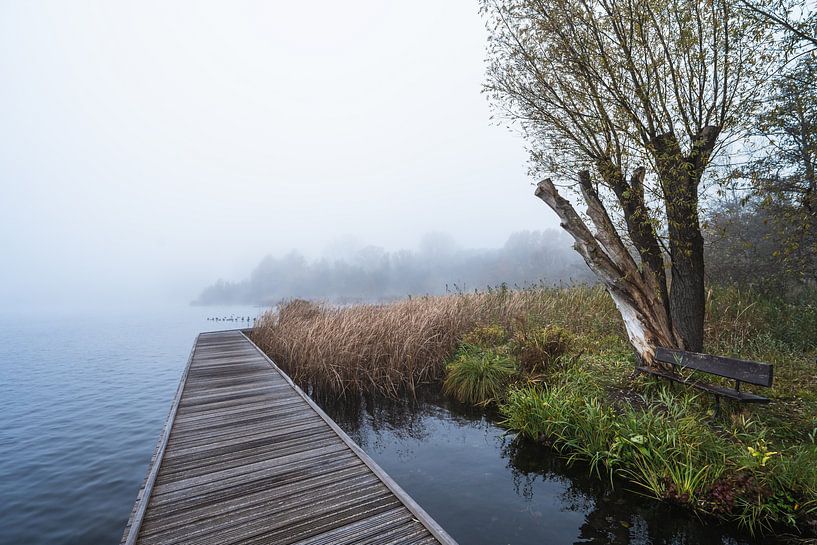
<point x="557" y="364"/>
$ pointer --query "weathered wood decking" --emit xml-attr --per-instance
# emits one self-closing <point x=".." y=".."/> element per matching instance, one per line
<point x="246" y="457"/>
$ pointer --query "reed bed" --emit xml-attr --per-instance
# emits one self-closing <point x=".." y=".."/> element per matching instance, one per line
<point x="396" y="348"/>
<point x="557" y="365"/>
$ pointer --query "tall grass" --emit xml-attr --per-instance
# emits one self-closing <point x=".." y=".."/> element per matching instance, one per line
<point x="384" y="349"/>
<point x="737" y="319"/>
<point x="395" y="348"/>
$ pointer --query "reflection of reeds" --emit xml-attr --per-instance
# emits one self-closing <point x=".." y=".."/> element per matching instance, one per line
<point x="392" y="348"/>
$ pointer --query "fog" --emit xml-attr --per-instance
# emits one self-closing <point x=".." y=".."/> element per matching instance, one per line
<point x="150" y="148"/>
<point x="354" y="273"/>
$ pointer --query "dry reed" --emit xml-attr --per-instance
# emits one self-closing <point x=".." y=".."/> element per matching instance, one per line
<point x="394" y="348"/>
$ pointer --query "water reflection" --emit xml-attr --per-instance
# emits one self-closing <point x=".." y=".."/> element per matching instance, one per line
<point x="486" y="487"/>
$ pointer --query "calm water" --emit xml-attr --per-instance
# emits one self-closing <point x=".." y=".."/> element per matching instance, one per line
<point x="485" y="488"/>
<point x="83" y="397"/>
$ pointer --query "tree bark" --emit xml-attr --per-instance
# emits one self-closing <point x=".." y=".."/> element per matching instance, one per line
<point x="645" y="319"/>
<point x="679" y="176"/>
<point x="639" y="227"/>
<point x="687" y="294"/>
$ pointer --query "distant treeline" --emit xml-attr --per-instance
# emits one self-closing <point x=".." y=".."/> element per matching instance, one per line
<point x="371" y="273"/>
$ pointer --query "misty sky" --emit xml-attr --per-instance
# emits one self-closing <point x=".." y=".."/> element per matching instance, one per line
<point x="148" y="148"/>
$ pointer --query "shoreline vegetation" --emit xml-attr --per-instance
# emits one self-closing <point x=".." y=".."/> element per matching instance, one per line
<point x="556" y="365"/>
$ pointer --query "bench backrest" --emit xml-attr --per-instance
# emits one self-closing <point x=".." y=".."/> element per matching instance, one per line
<point x="752" y="372"/>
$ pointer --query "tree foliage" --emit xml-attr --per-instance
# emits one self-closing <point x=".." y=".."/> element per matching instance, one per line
<point x="625" y="104"/>
<point x="797" y="19"/>
<point x="777" y="223"/>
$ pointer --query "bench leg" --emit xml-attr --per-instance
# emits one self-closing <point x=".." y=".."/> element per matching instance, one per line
<point x="717" y="406"/>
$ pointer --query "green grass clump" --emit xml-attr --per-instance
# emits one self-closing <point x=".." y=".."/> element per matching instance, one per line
<point x="666" y="445"/>
<point x="479" y="376"/>
<point x="579" y="428"/>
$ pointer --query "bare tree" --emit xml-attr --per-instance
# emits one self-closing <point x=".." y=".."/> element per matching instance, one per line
<point x="626" y="103"/>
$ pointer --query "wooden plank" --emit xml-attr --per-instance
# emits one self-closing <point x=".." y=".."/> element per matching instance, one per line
<point x="263" y="517"/>
<point x="266" y="466"/>
<point x="745" y="397"/>
<point x="260" y="500"/>
<point x="259" y="420"/>
<point x="240" y="434"/>
<point x="753" y="372"/>
<point x="314" y="520"/>
<point x="379" y="527"/>
<point x="243" y="443"/>
<point x="246" y="457"/>
<point x="263" y="405"/>
<point x="215" y="494"/>
<point x="239" y="455"/>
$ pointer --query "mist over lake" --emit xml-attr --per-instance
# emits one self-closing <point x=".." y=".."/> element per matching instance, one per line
<point x="357" y="273"/>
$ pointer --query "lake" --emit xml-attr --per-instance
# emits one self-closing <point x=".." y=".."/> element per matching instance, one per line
<point x="84" y="395"/>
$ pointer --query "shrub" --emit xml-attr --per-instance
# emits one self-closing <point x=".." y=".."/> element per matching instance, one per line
<point x="478" y="375"/>
<point x="538" y="348"/>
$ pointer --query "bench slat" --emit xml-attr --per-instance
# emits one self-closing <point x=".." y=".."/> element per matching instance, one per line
<point x="752" y="372"/>
<point x="746" y="397"/>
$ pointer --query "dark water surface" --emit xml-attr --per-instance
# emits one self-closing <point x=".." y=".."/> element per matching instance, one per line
<point x="83" y="396"/>
<point x="485" y="488"/>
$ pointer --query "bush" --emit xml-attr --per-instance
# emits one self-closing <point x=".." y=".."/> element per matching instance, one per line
<point x="537" y="349"/>
<point x="479" y="376"/>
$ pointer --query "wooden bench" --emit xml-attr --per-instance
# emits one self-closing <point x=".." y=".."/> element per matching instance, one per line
<point x="750" y="372"/>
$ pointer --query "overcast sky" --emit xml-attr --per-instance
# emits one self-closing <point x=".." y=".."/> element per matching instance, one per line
<point x="149" y="148"/>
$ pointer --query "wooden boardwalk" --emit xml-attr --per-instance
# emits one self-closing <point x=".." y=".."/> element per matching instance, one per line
<point x="247" y="457"/>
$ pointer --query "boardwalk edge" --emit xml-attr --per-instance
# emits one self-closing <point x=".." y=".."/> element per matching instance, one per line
<point x="419" y="513"/>
<point x="137" y="514"/>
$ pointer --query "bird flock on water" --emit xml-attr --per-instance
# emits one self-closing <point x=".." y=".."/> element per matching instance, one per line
<point x="231" y="318"/>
